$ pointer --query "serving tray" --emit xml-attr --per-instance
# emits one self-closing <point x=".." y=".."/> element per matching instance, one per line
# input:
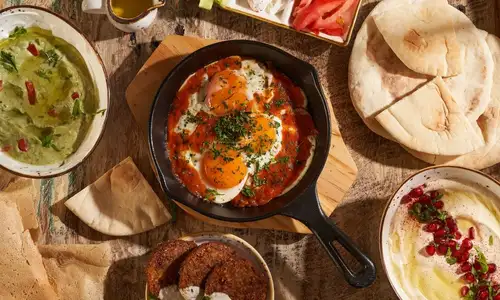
<point x="338" y="175"/>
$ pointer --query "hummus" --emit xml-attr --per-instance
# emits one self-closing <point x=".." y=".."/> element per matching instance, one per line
<point x="47" y="97"/>
<point x="431" y="277"/>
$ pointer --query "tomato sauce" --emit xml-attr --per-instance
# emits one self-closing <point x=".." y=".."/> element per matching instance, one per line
<point x="271" y="180"/>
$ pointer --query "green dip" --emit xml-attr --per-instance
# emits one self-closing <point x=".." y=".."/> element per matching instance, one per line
<point x="45" y="126"/>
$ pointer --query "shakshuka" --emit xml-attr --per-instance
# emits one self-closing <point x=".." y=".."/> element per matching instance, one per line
<point x="239" y="131"/>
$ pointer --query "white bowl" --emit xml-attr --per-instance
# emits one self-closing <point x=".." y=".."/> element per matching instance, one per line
<point x="423" y="176"/>
<point x="241" y="247"/>
<point x="28" y="16"/>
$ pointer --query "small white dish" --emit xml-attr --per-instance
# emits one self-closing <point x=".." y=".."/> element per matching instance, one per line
<point x="29" y="16"/>
<point x="241" y="247"/>
<point x="435" y="173"/>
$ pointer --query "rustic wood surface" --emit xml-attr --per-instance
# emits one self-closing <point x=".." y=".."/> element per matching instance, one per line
<point x="300" y="267"/>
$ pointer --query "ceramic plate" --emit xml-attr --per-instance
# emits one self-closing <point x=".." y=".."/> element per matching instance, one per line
<point x="28" y="16"/>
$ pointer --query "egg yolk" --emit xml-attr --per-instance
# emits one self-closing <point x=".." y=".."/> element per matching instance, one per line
<point x="226" y="93"/>
<point x="264" y="135"/>
<point x="223" y="167"/>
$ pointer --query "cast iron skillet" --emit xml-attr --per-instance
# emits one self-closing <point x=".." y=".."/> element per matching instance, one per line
<point x="300" y="203"/>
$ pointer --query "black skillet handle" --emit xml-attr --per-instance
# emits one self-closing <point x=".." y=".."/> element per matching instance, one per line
<point x="308" y="211"/>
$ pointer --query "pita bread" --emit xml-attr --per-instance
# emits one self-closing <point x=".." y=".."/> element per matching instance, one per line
<point x="22" y="273"/>
<point x="489" y="122"/>
<point x="430" y="121"/>
<point x="22" y="191"/>
<point x="422" y="35"/>
<point x="120" y="203"/>
<point x="77" y="271"/>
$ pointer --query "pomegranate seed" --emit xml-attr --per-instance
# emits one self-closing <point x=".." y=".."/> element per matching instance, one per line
<point x="452" y="244"/>
<point x="464" y="291"/>
<point x="472" y="233"/>
<point x="440" y="233"/>
<point x="492" y="268"/>
<point x="434" y="194"/>
<point x="496" y="288"/>
<point x="455" y="253"/>
<point x="466" y="244"/>
<point x="430" y="249"/>
<point x="497" y="297"/>
<point x="425" y="199"/>
<point x="6" y="148"/>
<point x="439" y="204"/>
<point x="442" y="249"/>
<point x="75" y="96"/>
<point x="22" y="144"/>
<point x="464" y="257"/>
<point x="432" y="227"/>
<point x="465" y="267"/>
<point x="406" y="199"/>
<point x="477" y="266"/>
<point x="484" y="276"/>
<point x="469" y="278"/>
<point x="483" y="295"/>
<point x="450" y="222"/>
<point x="440" y="241"/>
<point x="458" y="235"/>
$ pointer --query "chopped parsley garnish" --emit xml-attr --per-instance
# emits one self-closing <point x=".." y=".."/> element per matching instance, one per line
<point x="267" y="107"/>
<point x="51" y="57"/>
<point x="190" y="118"/>
<point x="18" y="31"/>
<point x="231" y="128"/>
<point x="247" y="191"/>
<point x="256" y="180"/>
<point x="8" y="61"/>
<point x="283" y="160"/>
<point x="77" y="108"/>
<point x="47" y="141"/>
<point x="43" y="74"/>
<point x="210" y="194"/>
<point x="279" y="102"/>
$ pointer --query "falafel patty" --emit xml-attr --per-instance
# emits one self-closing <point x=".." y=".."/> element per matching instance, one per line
<point x="238" y="279"/>
<point x="164" y="264"/>
<point x="198" y="264"/>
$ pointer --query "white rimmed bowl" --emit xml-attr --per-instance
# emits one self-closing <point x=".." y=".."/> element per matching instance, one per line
<point x="423" y="176"/>
<point x="243" y="248"/>
<point x="28" y="16"/>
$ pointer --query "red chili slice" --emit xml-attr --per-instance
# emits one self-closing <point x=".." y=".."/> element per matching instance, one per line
<point x="22" y="144"/>
<point x="6" y="148"/>
<point x="52" y="112"/>
<point x="33" y="50"/>
<point x="31" y="92"/>
<point x="75" y="96"/>
<point x="1" y="85"/>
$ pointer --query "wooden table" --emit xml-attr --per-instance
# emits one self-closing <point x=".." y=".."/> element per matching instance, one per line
<point x="300" y="267"/>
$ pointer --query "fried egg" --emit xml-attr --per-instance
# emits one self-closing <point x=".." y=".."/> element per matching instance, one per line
<point x="226" y="91"/>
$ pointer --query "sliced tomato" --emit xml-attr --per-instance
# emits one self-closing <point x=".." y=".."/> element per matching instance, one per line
<point x="30" y="88"/>
<point x="339" y="22"/>
<point x="316" y="10"/>
<point x="75" y="96"/>
<point x="32" y="49"/>
<point x="22" y="144"/>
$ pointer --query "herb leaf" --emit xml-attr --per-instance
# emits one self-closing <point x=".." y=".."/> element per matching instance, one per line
<point x="210" y="194"/>
<point x="247" y="191"/>
<point x="482" y="260"/>
<point x="47" y="141"/>
<point x="51" y="57"/>
<point x="18" y="31"/>
<point x="43" y="74"/>
<point x="490" y="240"/>
<point x="77" y="108"/>
<point x="8" y="61"/>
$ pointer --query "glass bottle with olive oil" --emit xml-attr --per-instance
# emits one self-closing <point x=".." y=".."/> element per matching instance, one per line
<point x="131" y="8"/>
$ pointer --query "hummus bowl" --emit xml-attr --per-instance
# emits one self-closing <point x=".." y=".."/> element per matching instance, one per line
<point x="440" y="235"/>
<point x="53" y="120"/>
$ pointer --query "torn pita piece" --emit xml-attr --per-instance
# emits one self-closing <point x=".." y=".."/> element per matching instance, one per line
<point x="23" y="275"/>
<point x="77" y="272"/>
<point x="120" y="203"/>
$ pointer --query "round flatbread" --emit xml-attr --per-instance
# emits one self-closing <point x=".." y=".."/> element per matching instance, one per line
<point x="165" y="263"/>
<point x="238" y="279"/>
<point x="489" y="123"/>
<point x="430" y="121"/>
<point x="423" y="37"/>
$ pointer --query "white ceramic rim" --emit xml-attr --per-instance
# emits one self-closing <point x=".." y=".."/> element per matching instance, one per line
<point x="403" y="189"/>
<point x="98" y="124"/>
<point x="249" y="247"/>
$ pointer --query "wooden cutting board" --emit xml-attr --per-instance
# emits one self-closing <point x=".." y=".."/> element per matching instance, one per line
<point x="339" y="172"/>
